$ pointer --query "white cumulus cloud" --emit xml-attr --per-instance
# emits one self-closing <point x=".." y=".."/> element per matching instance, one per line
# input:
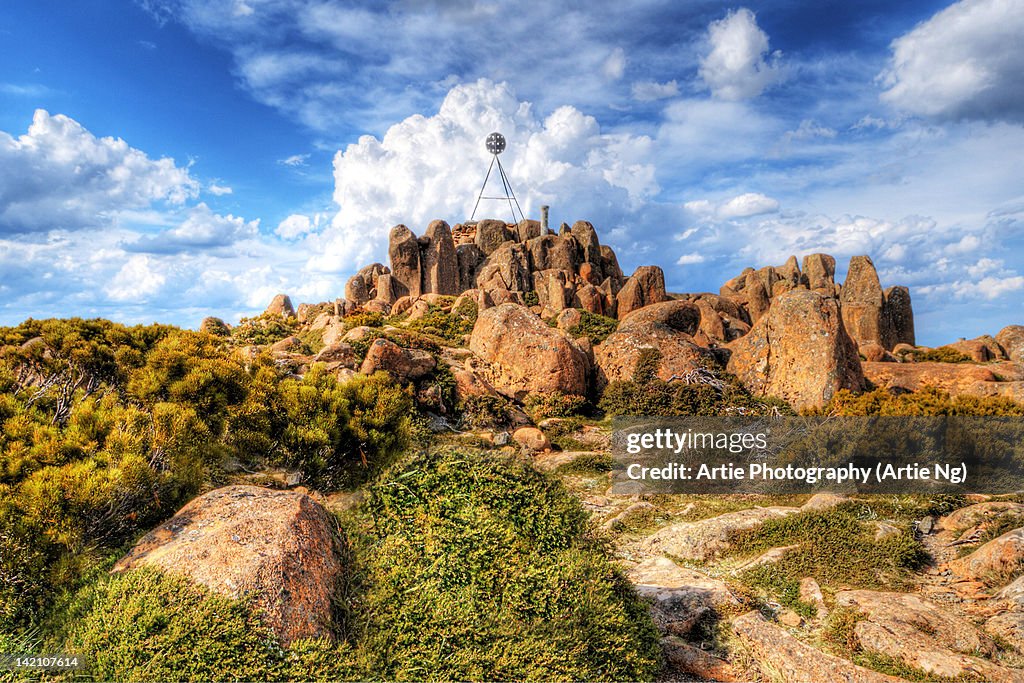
<point x="648" y="91"/>
<point x="964" y="62"/>
<point x="736" y="68"/>
<point x="60" y="176"/>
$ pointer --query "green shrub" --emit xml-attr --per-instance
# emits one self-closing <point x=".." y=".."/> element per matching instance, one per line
<point x="927" y="401"/>
<point x="341" y="434"/>
<point x="363" y="319"/>
<point x="451" y="327"/>
<point x="594" y="327"/>
<point x="148" y="626"/>
<point x="531" y="298"/>
<point x="479" y="568"/>
<point x="262" y="330"/>
<point x="943" y="354"/>
<point x="485" y="412"/>
<point x="554" y="404"/>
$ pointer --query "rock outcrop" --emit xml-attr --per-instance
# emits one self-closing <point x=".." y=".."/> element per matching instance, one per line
<point x="1011" y="338"/>
<point x="277" y="548"/>
<point x="280" y="306"/>
<point x="798" y="351"/>
<point x="871" y="315"/>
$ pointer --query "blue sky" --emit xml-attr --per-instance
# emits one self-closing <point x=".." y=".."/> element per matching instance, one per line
<point x="164" y="160"/>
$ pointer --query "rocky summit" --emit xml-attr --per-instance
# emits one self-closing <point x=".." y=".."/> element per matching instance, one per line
<point x="789" y="331"/>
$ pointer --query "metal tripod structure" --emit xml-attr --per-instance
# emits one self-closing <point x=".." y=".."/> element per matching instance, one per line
<point x="496" y="145"/>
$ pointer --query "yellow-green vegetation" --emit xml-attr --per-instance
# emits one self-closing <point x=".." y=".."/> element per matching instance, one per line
<point x="263" y="329"/>
<point x="462" y="565"/>
<point x="715" y="393"/>
<point x="943" y="354"/>
<point x="107" y="430"/>
<point x="364" y="319"/>
<point x="838" y="547"/>
<point x="452" y="326"/>
<point x="928" y="401"/>
<point x="555" y="404"/>
<point x="476" y="567"/>
<point x="148" y="626"/>
<point x="594" y="327"/>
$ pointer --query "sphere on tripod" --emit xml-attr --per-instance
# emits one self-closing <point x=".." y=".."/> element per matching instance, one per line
<point x="495" y="143"/>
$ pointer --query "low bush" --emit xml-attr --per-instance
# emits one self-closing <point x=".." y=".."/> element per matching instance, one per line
<point x="927" y="401"/>
<point x="943" y="354"/>
<point x="715" y="393"/>
<point x="479" y="568"/>
<point x="554" y="404"/>
<point x="594" y="327"/>
<point x="363" y="319"/>
<point x="451" y="327"/>
<point x="262" y="329"/>
<point x="149" y="626"/>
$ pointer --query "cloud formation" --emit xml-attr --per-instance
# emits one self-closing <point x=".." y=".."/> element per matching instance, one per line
<point x="736" y="67"/>
<point x="59" y="175"/>
<point x="963" y="63"/>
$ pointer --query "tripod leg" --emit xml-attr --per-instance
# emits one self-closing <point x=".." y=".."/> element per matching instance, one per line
<point x="484" y="186"/>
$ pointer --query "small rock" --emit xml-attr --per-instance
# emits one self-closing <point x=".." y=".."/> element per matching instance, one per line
<point x="790" y="618"/>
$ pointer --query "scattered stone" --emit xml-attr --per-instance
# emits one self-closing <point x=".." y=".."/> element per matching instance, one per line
<point x="288" y="345"/>
<point x="532" y="439"/>
<point x="687" y="659"/>
<point x="810" y="592"/>
<point x="790" y="618"/>
<point x="823" y="501"/>
<point x="286" y="556"/>
<point x="679" y="597"/>
<point x="926" y="525"/>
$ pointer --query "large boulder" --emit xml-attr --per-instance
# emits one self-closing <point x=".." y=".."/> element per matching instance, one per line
<point x="438" y="264"/>
<point x="280" y="306"/>
<point x="551" y="252"/>
<point x="798" y="351"/>
<point x="588" y="247"/>
<point x="1011" y="338"/>
<point x="404" y="252"/>
<point x="707" y="538"/>
<point x="645" y="287"/>
<point x="277" y="548"/>
<point x="818" y="274"/>
<point x="491" y="234"/>
<point x="526" y="355"/>
<point x="403" y="364"/>
<point x="666" y="327"/>
<point x="995" y="562"/>
<point x="679" y="597"/>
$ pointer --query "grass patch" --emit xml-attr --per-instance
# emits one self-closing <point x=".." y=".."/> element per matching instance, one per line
<point x="835" y="547"/>
<point x="588" y="463"/>
<point x="594" y="327"/>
